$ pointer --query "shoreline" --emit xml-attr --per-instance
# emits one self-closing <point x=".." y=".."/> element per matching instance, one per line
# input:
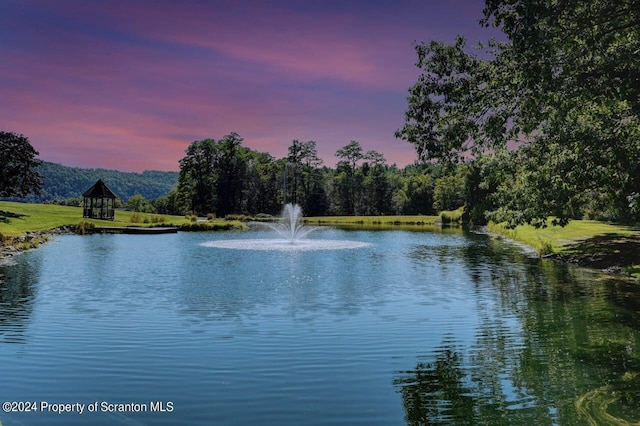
<point x="616" y="255"/>
<point x="624" y="255"/>
<point x="15" y="246"/>
<point x="613" y="262"/>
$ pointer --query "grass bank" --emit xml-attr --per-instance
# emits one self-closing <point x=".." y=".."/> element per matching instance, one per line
<point x="585" y="242"/>
<point x="19" y="218"/>
<point x="372" y="220"/>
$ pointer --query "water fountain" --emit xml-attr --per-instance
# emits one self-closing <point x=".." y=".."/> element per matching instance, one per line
<point x="290" y="226"/>
<point x="292" y="232"/>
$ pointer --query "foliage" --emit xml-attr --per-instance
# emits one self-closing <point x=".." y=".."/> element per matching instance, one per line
<point x="223" y="177"/>
<point x="254" y="183"/>
<point x="303" y="178"/>
<point x="562" y="94"/>
<point x="137" y="203"/>
<point x="18" y="175"/>
<point x="448" y="193"/>
<point x="452" y="216"/>
<point x="211" y="226"/>
<point x="84" y="227"/>
<point x="372" y="220"/>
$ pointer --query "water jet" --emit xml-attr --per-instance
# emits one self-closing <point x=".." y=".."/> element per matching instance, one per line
<point x="292" y="234"/>
<point x="290" y="226"/>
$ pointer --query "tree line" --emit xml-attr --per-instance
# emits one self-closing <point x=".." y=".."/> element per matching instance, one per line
<point x="223" y="177"/>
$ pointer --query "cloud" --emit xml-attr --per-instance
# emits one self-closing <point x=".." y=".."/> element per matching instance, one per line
<point x="130" y="84"/>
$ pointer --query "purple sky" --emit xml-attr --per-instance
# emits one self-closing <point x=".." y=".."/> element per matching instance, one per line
<point x="129" y="84"/>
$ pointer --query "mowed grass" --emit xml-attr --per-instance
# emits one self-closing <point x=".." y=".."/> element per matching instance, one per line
<point x="581" y="237"/>
<point x="557" y="239"/>
<point x="44" y="217"/>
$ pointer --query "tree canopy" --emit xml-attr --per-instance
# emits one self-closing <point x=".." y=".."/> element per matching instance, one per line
<point x="556" y="107"/>
<point x="18" y="164"/>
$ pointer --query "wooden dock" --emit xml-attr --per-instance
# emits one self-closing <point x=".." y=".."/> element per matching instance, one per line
<point x="134" y="230"/>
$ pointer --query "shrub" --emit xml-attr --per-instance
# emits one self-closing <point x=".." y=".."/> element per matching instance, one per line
<point x="240" y="217"/>
<point x="204" y="226"/>
<point x="544" y="247"/>
<point x="136" y="217"/>
<point x="211" y="216"/>
<point x="157" y="219"/>
<point x="84" y="228"/>
<point x="452" y="216"/>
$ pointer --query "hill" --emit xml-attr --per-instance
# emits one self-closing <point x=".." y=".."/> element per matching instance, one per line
<point x="62" y="182"/>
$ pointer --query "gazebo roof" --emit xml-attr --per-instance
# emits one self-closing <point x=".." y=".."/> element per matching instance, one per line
<point x="99" y="190"/>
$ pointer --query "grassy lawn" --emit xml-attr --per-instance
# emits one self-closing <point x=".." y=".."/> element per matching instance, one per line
<point x="44" y="217"/>
<point x="594" y="242"/>
<point x="556" y="239"/>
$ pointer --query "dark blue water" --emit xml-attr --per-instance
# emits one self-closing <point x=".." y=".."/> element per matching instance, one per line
<point x="418" y="328"/>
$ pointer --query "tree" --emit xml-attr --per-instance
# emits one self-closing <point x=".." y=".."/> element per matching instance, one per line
<point x="348" y="180"/>
<point x="197" y="178"/>
<point x="18" y="176"/>
<point x="138" y="203"/>
<point x="230" y="167"/>
<point x="351" y="154"/>
<point x="377" y="189"/>
<point x="565" y="86"/>
<point x="448" y="193"/>
<point x="579" y="73"/>
<point x="303" y="177"/>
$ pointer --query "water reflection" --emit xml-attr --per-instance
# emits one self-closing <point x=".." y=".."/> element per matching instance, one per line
<point x="562" y="348"/>
<point x="17" y="294"/>
<point x="436" y="328"/>
<point x="220" y="284"/>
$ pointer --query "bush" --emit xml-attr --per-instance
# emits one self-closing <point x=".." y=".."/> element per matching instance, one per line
<point x="544" y="248"/>
<point x="240" y="217"/>
<point x="158" y="219"/>
<point x="204" y="226"/>
<point x="452" y="216"/>
<point x="84" y="228"/>
<point x="136" y="217"/>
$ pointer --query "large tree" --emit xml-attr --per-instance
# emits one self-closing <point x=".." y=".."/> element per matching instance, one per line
<point x="349" y="177"/>
<point x="197" y="178"/>
<point x="566" y="86"/>
<point x="302" y="177"/>
<point x="18" y="164"/>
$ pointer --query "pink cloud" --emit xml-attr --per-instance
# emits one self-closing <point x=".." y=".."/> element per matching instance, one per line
<point x="129" y="85"/>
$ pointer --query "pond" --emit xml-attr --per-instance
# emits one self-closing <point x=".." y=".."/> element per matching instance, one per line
<point x="433" y="327"/>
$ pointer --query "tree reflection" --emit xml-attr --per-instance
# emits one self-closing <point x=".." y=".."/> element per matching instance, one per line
<point x="556" y="344"/>
<point x="436" y="393"/>
<point x="16" y="298"/>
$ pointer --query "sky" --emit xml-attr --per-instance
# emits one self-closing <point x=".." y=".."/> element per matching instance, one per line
<point x="129" y="84"/>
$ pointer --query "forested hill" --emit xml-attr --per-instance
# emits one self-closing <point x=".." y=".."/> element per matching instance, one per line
<point x="62" y="182"/>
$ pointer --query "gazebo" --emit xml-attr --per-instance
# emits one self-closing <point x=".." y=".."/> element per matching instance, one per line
<point x="99" y="202"/>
